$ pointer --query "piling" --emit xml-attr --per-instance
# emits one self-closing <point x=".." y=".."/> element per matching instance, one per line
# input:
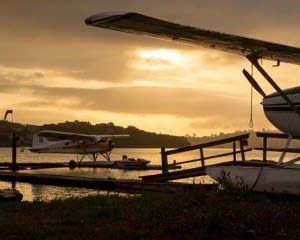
<point x="14" y="165"/>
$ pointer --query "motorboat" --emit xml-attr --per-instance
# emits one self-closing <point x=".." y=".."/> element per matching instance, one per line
<point x="131" y="162"/>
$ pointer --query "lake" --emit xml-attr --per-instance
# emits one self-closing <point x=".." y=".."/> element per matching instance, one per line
<point x="32" y="192"/>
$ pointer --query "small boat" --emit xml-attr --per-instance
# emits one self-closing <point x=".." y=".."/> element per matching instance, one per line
<point x="131" y="162"/>
<point x="93" y="164"/>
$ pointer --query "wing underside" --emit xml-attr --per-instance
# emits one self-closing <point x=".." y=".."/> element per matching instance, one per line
<point x="66" y="135"/>
<point x="77" y="136"/>
<point x="144" y="25"/>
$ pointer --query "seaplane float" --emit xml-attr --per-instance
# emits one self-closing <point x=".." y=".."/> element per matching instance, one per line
<point x="48" y="141"/>
<point x="281" y="108"/>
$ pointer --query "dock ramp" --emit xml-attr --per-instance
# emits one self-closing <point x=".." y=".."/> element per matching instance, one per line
<point x="165" y="176"/>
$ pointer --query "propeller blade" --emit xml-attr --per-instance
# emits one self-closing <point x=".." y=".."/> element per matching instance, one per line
<point x="253" y="83"/>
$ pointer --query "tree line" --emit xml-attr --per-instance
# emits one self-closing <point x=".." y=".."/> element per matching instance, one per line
<point x="138" y="138"/>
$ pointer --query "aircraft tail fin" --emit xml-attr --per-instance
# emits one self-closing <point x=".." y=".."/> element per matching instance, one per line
<point x="39" y="142"/>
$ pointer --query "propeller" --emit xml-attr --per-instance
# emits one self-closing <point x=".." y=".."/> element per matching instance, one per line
<point x="254" y="83"/>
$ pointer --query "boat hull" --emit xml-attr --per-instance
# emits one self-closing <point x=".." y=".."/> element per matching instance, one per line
<point x="262" y="179"/>
<point x="132" y="162"/>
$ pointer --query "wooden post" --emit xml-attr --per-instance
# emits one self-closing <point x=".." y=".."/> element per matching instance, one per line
<point x="265" y="149"/>
<point x="242" y="149"/>
<point x="234" y="152"/>
<point x="14" y="152"/>
<point x="202" y="157"/>
<point x="164" y="160"/>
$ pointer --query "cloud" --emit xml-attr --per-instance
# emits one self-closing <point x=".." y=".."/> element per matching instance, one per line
<point x="14" y="81"/>
<point x="52" y="34"/>
<point x="182" y="102"/>
<point x="19" y="76"/>
<point x="51" y="61"/>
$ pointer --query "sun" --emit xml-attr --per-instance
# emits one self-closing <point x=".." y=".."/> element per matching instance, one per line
<point x="171" y="56"/>
<point x="158" y="59"/>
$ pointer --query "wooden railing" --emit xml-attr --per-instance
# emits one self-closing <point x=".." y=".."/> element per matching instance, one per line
<point x="241" y="139"/>
<point x="201" y="169"/>
<point x="266" y="135"/>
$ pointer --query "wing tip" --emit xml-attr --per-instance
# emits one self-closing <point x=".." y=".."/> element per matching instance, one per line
<point x="104" y="16"/>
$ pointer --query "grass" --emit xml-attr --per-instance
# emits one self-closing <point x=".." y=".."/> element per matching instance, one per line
<point x="191" y="215"/>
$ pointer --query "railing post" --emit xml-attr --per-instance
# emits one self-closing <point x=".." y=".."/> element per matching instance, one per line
<point x="164" y="160"/>
<point x="265" y="149"/>
<point x="202" y="157"/>
<point x="242" y="149"/>
<point x="234" y="151"/>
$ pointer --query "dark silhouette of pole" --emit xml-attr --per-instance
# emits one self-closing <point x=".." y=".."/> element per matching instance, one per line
<point x="15" y="138"/>
<point x="14" y="165"/>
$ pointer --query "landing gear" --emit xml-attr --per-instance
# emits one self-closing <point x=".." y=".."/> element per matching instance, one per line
<point x="93" y="157"/>
<point x="289" y="102"/>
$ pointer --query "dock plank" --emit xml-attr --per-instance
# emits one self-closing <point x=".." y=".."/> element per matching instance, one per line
<point x="186" y="173"/>
<point x="127" y="185"/>
<point x="44" y="165"/>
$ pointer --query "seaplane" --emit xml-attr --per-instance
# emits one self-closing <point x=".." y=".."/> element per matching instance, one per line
<point x="48" y="141"/>
<point x="282" y="108"/>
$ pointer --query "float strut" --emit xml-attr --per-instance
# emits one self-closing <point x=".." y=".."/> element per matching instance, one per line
<point x="254" y="61"/>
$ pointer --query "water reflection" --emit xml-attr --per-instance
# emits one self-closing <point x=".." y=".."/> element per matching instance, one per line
<point x="38" y="192"/>
<point x="32" y="192"/>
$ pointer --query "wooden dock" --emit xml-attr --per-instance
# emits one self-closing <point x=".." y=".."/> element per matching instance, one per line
<point x="186" y="173"/>
<point x="123" y="185"/>
<point x="157" y="182"/>
<point x="44" y="165"/>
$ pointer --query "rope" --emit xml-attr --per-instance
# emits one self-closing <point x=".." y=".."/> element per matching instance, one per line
<point x="251" y="102"/>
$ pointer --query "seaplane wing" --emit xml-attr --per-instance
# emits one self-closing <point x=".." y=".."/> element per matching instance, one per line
<point x="144" y="25"/>
<point x="76" y="136"/>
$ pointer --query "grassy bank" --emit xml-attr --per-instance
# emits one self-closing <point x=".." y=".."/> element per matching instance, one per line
<point x="155" y="216"/>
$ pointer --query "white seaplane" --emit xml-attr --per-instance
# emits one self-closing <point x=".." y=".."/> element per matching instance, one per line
<point x="82" y="144"/>
<point x="282" y="108"/>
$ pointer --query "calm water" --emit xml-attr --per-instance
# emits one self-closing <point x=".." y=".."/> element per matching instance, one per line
<point x="42" y="192"/>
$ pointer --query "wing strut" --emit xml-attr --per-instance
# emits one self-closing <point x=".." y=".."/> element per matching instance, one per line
<point x="254" y="61"/>
<point x="253" y="83"/>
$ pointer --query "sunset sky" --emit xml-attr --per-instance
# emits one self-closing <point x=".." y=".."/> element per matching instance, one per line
<point x="54" y="68"/>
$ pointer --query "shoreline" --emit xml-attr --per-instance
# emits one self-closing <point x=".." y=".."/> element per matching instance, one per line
<point x="190" y="215"/>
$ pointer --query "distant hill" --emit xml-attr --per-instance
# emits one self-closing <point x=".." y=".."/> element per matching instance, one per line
<point x="253" y="140"/>
<point x="138" y="138"/>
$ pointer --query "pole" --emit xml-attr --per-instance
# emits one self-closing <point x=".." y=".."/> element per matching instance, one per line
<point x="202" y="157"/>
<point x="164" y="160"/>
<point x="14" y="166"/>
<point x="265" y="149"/>
<point x="234" y="151"/>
